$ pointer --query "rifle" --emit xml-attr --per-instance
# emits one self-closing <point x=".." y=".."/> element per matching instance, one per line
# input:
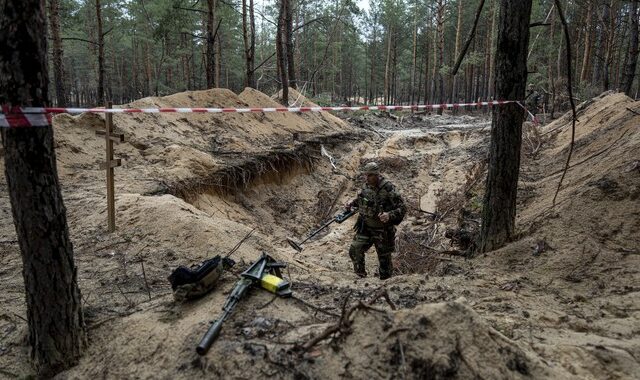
<point x="338" y="219"/>
<point x="265" y="273"/>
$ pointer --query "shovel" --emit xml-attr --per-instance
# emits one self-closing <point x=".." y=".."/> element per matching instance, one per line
<point x="338" y="219"/>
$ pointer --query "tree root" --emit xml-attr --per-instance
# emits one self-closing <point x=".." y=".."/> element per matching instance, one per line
<point x="343" y="326"/>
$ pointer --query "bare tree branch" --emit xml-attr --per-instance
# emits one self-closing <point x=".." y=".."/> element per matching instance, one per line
<point x="312" y="21"/>
<point x="469" y="39"/>
<point x="265" y="18"/>
<point x="189" y="9"/>
<point x="573" y="105"/>
<point x="263" y="62"/>
<point x="107" y="32"/>
<point x="195" y="35"/>
<point x="539" y="23"/>
<point x="215" y="33"/>
<point x="79" y="39"/>
<point x="326" y="50"/>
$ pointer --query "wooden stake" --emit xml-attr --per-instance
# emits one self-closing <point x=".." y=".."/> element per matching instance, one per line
<point x="110" y="164"/>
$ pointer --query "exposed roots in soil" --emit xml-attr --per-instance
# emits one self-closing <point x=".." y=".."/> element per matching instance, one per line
<point x="414" y="253"/>
<point x="465" y="205"/>
<point x="241" y="171"/>
<point x="343" y="326"/>
<point x="241" y="175"/>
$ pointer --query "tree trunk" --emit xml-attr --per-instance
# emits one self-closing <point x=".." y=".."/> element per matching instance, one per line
<point x="289" y="44"/>
<point x="387" y="67"/>
<point x="492" y="65"/>
<point x="252" y="43"/>
<point x="394" y="82"/>
<point x="487" y="62"/>
<point x="608" y="17"/>
<point x="58" y="67"/>
<point x="452" y="90"/>
<point x="245" y="39"/>
<point x="147" y="69"/>
<point x="499" y="211"/>
<point x="588" y="42"/>
<point x="418" y="82"/>
<point x="217" y="59"/>
<point x="210" y="69"/>
<point x="281" y="53"/>
<point x="550" y="70"/>
<point x="426" y="67"/>
<point x="372" y="81"/>
<point x="632" y="52"/>
<point x="415" y="54"/>
<point x="440" y="26"/>
<point x="621" y="56"/>
<point x="437" y="64"/>
<point x="100" y="54"/>
<point x="54" y="311"/>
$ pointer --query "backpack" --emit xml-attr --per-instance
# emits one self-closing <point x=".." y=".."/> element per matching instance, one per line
<point x="194" y="282"/>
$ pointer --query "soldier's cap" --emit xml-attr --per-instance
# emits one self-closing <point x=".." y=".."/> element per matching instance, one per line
<point x="371" y="168"/>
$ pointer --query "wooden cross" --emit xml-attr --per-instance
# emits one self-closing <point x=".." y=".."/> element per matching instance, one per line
<point x="109" y="165"/>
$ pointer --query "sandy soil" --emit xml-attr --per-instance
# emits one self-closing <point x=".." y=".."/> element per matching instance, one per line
<point x="560" y="302"/>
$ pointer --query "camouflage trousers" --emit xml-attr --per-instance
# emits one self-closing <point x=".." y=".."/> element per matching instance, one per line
<point x="383" y="240"/>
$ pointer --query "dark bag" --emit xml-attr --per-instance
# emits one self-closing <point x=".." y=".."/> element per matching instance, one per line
<point x="194" y="282"/>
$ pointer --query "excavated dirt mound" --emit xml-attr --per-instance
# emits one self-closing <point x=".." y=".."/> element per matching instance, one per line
<point x="559" y="302"/>
<point x="435" y="341"/>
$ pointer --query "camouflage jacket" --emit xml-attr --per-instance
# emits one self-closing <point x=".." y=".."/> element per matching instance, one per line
<point x="533" y="98"/>
<point x="384" y="198"/>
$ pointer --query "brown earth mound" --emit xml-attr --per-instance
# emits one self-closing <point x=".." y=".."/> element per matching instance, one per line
<point x="434" y="341"/>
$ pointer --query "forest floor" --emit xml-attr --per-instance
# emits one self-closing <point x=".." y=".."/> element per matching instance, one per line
<point x="561" y="301"/>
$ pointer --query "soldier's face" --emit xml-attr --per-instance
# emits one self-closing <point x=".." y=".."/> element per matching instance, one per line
<point x="372" y="179"/>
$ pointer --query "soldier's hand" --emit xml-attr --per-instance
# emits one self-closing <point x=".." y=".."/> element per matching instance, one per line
<point x="384" y="217"/>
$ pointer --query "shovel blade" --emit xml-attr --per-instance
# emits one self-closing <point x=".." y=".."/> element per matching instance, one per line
<point x="294" y="245"/>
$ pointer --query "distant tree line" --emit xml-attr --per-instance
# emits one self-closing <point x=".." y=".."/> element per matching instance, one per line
<point x="396" y="51"/>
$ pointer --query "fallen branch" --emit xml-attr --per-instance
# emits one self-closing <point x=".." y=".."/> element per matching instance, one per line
<point x="344" y="324"/>
<point x="237" y="246"/>
<point x="130" y="304"/>
<point x="314" y="307"/>
<point x="633" y="111"/>
<point x="144" y="275"/>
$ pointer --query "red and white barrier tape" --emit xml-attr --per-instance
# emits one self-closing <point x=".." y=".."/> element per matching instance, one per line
<point x="17" y="117"/>
<point x="534" y="119"/>
<point x="41" y="116"/>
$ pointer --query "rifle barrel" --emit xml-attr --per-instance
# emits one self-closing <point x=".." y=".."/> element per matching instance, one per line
<point x="212" y="334"/>
<point x="241" y="288"/>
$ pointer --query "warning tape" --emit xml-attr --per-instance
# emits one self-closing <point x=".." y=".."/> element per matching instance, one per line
<point x="41" y="116"/>
<point x="534" y="119"/>
<point x="16" y="117"/>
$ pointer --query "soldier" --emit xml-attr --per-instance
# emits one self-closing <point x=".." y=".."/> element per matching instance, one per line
<point x="532" y="99"/>
<point x="381" y="208"/>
